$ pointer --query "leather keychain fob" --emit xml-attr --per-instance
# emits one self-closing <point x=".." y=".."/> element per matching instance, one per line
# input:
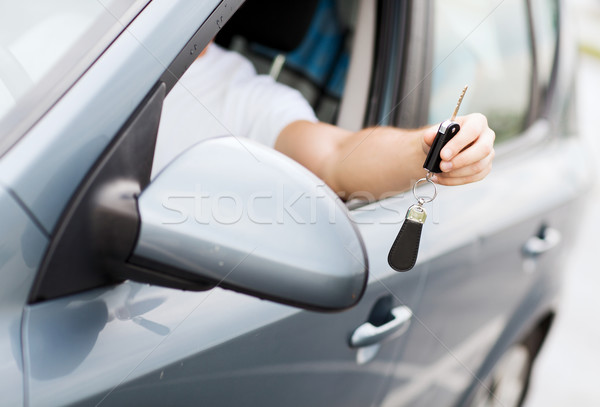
<point x="405" y="249"/>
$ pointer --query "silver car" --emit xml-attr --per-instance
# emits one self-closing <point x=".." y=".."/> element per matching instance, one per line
<point x="121" y="290"/>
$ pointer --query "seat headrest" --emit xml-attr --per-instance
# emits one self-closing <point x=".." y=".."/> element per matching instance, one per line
<point x="277" y="24"/>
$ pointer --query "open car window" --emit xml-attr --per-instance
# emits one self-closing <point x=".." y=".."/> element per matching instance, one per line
<point x="318" y="65"/>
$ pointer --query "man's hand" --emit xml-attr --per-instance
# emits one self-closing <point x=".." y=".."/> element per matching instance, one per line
<point x="468" y="155"/>
<point x="381" y="161"/>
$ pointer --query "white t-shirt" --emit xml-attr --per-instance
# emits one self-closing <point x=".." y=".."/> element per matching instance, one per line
<point x="222" y="94"/>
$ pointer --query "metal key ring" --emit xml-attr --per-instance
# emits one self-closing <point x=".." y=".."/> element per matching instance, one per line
<point x="424" y="199"/>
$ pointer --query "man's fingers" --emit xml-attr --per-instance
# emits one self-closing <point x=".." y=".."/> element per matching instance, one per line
<point x="471" y="127"/>
<point x="480" y="150"/>
<point x="468" y="156"/>
<point x="471" y="169"/>
<point x="445" y="179"/>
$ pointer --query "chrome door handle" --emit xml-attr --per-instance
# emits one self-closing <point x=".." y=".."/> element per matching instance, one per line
<point x="368" y="334"/>
<point x="535" y="245"/>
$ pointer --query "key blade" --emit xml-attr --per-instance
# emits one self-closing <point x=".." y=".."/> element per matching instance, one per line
<point x="462" y="95"/>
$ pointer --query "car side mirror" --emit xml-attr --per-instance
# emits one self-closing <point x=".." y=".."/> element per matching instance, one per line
<point x="240" y="215"/>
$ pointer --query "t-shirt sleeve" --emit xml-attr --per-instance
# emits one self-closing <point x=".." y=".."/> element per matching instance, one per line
<point x="261" y="107"/>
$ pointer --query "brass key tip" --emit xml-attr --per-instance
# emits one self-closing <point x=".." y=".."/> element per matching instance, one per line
<point x="460" y="98"/>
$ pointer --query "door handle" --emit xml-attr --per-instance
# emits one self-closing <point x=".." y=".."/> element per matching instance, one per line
<point x="368" y="334"/>
<point x="536" y="245"/>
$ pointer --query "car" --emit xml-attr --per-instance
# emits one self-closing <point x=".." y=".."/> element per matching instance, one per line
<point x="235" y="276"/>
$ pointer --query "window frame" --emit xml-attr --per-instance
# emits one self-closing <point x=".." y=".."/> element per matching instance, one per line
<point x="541" y="107"/>
<point x="392" y="38"/>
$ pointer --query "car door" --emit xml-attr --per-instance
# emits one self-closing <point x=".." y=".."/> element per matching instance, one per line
<point x="486" y="284"/>
<point x="19" y="255"/>
<point x="117" y="343"/>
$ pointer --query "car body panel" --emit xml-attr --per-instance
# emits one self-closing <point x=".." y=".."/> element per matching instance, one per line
<point x="471" y="251"/>
<point x="20" y="253"/>
<point x="111" y="336"/>
<point x="272" y="356"/>
<point x="473" y="293"/>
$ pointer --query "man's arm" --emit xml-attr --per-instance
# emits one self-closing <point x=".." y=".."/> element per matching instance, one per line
<point x="383" y="160"/>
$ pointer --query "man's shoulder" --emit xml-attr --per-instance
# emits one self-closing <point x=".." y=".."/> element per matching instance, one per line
<point x="222" y="60"/>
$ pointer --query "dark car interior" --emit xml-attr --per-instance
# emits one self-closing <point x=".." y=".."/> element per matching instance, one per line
<point x="303" y="44"/>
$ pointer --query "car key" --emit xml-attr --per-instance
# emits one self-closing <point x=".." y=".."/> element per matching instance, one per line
<point x="405" y="249"/>
<point x="446" y="131"/>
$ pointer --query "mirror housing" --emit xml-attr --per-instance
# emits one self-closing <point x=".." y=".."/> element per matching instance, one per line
<point x="237" y="214"/>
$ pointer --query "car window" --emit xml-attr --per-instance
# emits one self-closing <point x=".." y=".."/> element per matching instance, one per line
<point x="43" y="43"/>
<point x="487" y="45"/>
<point x="306" y="48"/>
<point x="318" y="66"/>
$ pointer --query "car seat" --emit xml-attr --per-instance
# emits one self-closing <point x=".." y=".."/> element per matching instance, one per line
<point x="307" y="37"/>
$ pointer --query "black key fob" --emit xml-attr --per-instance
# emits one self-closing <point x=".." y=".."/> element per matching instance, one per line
<point x="404" y="251"/>
<point x="446" y="131"/>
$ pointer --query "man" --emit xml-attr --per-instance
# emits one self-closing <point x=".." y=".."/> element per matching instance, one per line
<point x="222" y="94"/>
